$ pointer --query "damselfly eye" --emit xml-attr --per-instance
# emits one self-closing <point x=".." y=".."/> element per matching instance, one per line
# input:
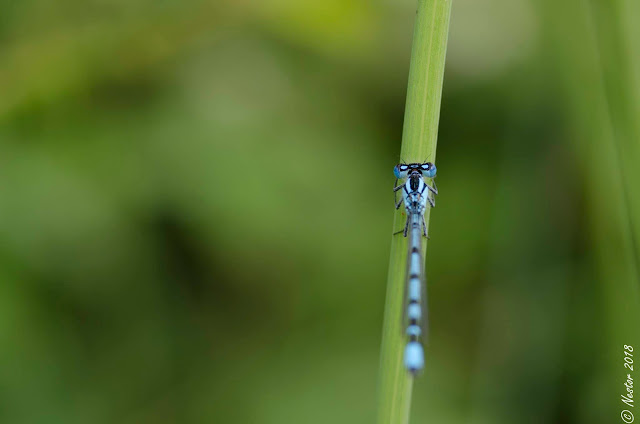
<point x="428" y="169"/>
<point x="400" y="171"/>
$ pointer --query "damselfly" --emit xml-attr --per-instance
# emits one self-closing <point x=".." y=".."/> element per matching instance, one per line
<point x="416" y="193"/>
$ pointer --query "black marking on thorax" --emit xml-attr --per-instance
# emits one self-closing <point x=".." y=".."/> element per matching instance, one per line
<point x="414" y="182"/>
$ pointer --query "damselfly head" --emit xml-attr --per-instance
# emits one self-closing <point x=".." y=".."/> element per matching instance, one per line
<point x="426" y="169"/>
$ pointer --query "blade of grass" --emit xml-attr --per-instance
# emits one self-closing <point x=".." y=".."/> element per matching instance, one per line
<point x="419" y="139"/>
<point x="618" y="226"/>
<point x="600" y="71"/>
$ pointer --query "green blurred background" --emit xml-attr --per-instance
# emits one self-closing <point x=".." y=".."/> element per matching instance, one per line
<point x="196" y="208"/>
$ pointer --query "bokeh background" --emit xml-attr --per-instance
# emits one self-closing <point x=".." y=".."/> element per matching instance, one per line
<point x="196" y="209"/>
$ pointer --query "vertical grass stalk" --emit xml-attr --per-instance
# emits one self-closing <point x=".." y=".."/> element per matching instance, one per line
<point x="601" y="72"/>
<point x="419" y="140"/>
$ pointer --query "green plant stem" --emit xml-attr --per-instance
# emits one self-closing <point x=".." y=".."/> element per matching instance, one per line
<point x="419" y="140"/>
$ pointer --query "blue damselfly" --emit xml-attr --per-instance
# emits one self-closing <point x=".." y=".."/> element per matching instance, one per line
<point x="416" y="193"/>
